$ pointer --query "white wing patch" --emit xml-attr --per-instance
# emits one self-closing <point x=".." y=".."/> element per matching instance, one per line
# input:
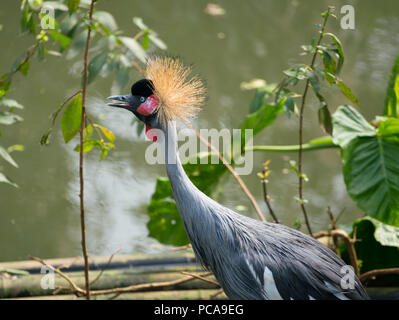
<point x="335" y="291"/>
<point x="270" y="286"/>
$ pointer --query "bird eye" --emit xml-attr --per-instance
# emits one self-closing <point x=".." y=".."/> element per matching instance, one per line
<point x="142" y="99"/>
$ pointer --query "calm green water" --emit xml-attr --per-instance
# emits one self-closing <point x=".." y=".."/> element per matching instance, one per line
<point x="261" y="39"/>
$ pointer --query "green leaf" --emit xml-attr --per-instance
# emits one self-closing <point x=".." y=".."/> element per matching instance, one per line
<point x="347" y="92"/>
<point x="62" y="39"/>
<point x="5" y="179"/>
<point x="371" y="170"/>
<point x="106" y="19"/>
<point x="289" y="106"/>
<point x="339" y="52"/>
<point x="263" y="117"/>
<point x="87" y="146"/>
<point x="134" y="47"/>
<point x="6" y="156"/>
<point x="8" y="118"/>
<point x="77" y="46"/>
<point x="349" y="124"/>
<point x="314" y="80"/>
<point x="145" y="41"/>
<point x="391" y="106"/>
<point x="56" y="5"/>
<point x="24" y="67"/>
<point x="378" y="247"/>
<point x="10" y="103"/>
<point x="73" y="5"/>
<point x="330" y="67"/>
<point x="258" y="100"/>
<point x="110" y="136"/>
<point x="72" y="118"/>
<point x="388" y="127"/>
<point x="139" y="126"/>
<point x="121" y="80"/>
<point x="15" y="147"/>
<point x="95" y="65"/>
<point x="325" y="119"/>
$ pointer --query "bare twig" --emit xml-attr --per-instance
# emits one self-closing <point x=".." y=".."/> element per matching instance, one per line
<point x="264" y="175"/>
<point x="230" y="168"/>
<point x="187" y="246"/>
<point x="349" y="243"/>
<point x="333" y="227"/>
<point x="202" y="277"/>
<point x="81" y="178"/>
<point x="106" y="266"/>
<point x="300" y="188"/>
<point x="75" y="287"/>
<point x="365" y="277"/>
<point x="138" y="68"/>
<point x="214" y="295"/>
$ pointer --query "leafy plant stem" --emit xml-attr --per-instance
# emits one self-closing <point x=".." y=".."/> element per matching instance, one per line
<point x="81" y="155"/>
<point x="292" y="148"/>
<point x="300" y="186"/>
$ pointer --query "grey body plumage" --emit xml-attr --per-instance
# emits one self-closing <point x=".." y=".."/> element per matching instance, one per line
<point x="237" y="248"/>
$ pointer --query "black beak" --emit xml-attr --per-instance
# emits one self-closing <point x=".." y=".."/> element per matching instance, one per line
<point x="128" y="102"/>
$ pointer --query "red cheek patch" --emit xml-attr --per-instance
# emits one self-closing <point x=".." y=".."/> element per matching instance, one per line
<point x="150" y="134"/>
<point x="149" y="106"/>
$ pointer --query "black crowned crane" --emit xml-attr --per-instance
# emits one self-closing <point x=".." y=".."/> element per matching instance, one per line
<point x="249" y="258"/>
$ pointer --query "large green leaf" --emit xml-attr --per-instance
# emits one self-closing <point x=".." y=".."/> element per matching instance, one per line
<point x="349" y="124"/>
<point x="260" y="119"/>
<point x="72" y="118"/>
<point x="391" y="107"/>
<point x="378" y="245"/>
<point x="371" y="166"/>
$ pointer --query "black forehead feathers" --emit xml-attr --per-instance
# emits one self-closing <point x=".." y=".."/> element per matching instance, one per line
<point x="143" y="87"/>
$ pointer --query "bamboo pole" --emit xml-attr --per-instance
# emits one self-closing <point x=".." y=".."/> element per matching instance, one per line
<point x="201" y="294"/>
<point x="31" y="285"/>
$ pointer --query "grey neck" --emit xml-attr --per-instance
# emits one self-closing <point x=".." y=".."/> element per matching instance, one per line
<point x="188" y="198"/>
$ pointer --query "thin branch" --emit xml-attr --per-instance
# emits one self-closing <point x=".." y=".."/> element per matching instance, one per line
<point x="214" y="295"/>
<point x="333" y="227"/>
<point x="233" y="172"/>
<point x="75" y="287"/>
<point x="138" y="68"/>
<point x="300" y="188"/>
<point x="349" y="243"/>
<point x="81" y="178"/>
<point x="376" y="273"/>
<point x="187" y="246"/>
<point x="106" y="266"/>
<point x="201" y="277"/>
<point x="265" y="195"/>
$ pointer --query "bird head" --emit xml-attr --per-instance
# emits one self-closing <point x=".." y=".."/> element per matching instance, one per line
<point x="168" y="93"/>
<point x="142" y="102"/>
